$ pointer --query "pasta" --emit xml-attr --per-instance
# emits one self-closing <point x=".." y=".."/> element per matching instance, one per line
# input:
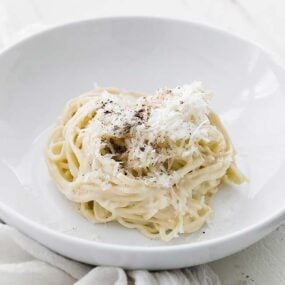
<point x="150" y="162"/>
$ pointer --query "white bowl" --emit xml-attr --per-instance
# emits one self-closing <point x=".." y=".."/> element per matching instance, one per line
<point x="41" y="73"/>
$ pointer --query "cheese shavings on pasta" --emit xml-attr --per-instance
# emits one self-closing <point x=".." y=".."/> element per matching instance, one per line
<point x="150" y="162"/>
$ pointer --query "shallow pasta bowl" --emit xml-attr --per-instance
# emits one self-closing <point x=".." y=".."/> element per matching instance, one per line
<point x="40" y="74"/>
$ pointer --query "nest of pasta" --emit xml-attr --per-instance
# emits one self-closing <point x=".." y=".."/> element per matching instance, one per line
<point x="150" y="162"/>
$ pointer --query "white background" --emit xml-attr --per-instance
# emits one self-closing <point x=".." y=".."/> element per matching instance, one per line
<point x="262" y="21"/>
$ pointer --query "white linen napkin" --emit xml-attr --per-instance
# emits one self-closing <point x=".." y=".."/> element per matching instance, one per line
<point x="25" y="262"/>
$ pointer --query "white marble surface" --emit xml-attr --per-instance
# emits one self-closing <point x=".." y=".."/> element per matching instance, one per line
<point x="262" y="21"/>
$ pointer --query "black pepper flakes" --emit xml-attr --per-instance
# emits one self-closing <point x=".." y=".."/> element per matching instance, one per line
<point x="126" y="127"/>
<point x="168" y="91"/>
<point x="139" y="114"/>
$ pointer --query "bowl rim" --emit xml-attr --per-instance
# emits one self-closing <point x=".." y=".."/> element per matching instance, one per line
<point x="277" y="215"/>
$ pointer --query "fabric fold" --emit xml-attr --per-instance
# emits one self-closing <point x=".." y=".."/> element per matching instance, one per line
<point x="25" y="261"/>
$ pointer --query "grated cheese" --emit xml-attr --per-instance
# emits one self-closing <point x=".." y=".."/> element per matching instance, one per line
<point x="151" y="137"/>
